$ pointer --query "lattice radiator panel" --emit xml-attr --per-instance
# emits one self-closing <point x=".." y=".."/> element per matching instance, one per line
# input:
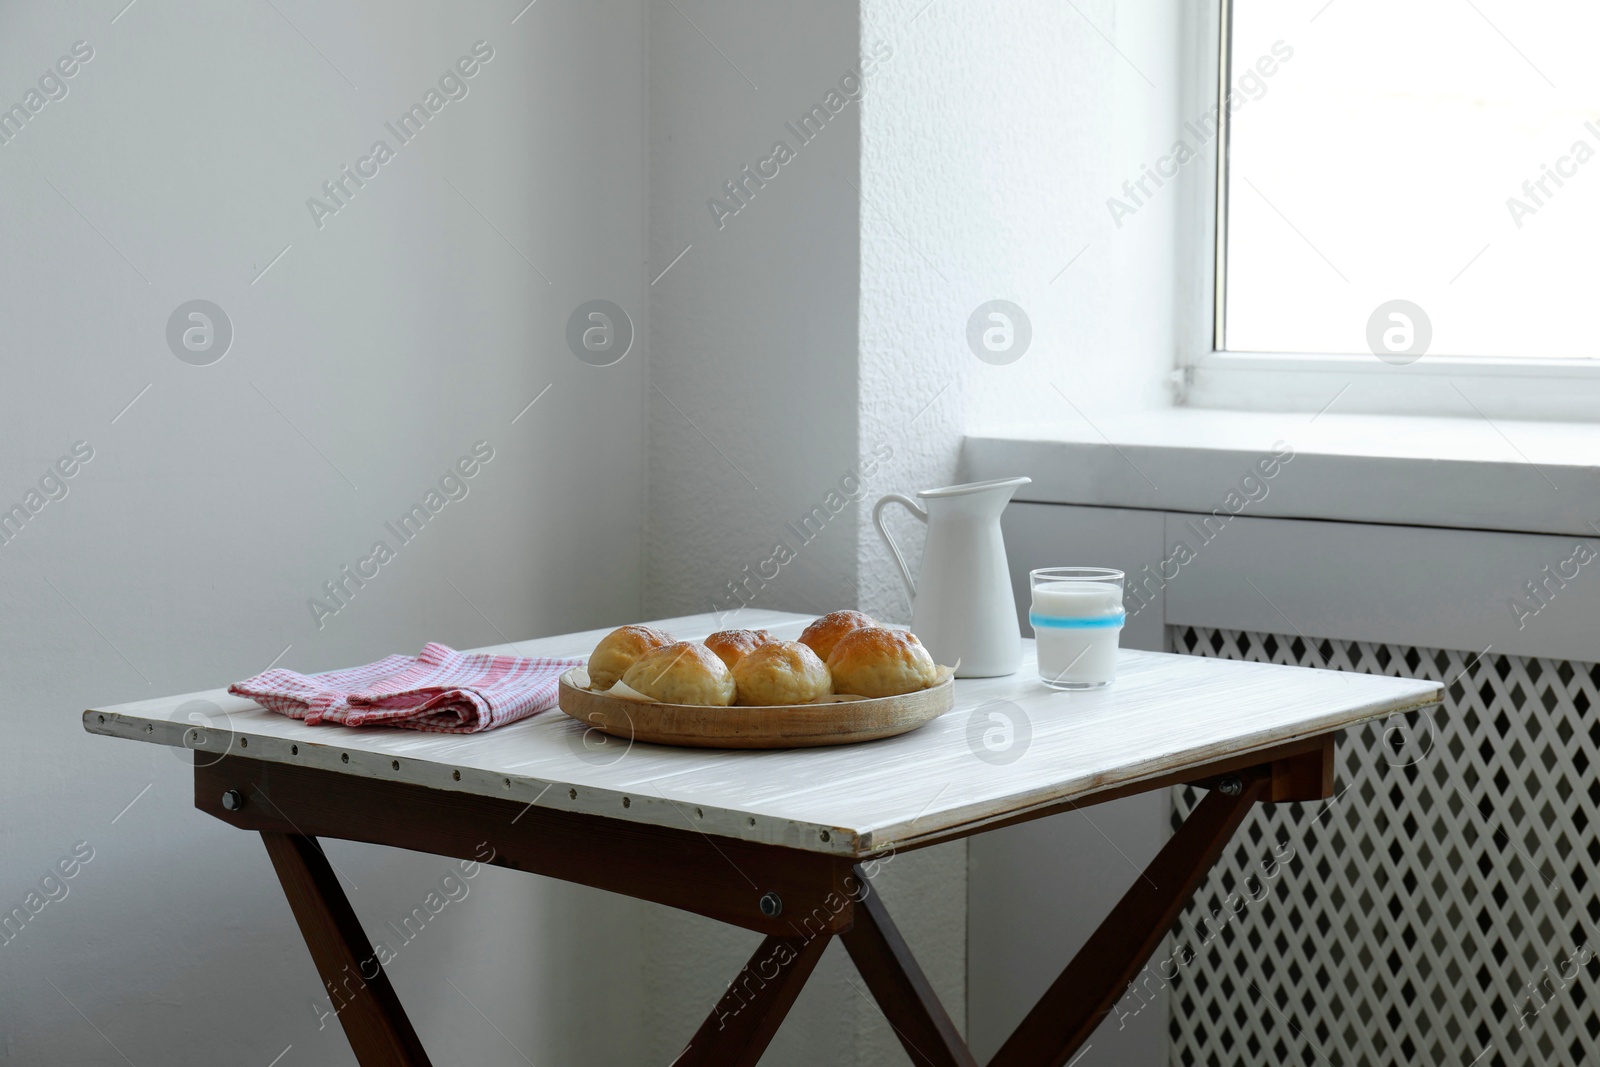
<point x="1442" y="909"/>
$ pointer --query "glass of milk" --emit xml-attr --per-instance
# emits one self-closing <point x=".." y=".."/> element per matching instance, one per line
<point x="1077" y="618"/>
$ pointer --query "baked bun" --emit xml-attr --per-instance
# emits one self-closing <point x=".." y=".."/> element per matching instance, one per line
<point x="733" y="645"/>
<point x="823" y="634"/>
<point x="877" y="662"/>
<point x="682" y="673"/>
<point x="618" y="649"/>
<point x="781" y="672"/>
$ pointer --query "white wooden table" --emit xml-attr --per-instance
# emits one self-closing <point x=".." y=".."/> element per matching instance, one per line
<point x="778" y="842"/>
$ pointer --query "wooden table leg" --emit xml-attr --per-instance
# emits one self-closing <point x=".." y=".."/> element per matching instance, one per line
<point x="899" y="986"/>
<point x="1088" y="989"/>
<point x="368" y="1009"/>
<point x="742" y="1024"/>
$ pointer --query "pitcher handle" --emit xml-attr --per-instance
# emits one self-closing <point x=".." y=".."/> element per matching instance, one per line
<point x="877" y="520"/>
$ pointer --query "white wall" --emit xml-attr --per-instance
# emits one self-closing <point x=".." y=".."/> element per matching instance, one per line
<point x="793" y="349"/>
<point x="394" y="337"/>
<point x="753" y="373"/>
<point x="754" y="422"/>
<point x="988" y="142"/>
<point x="987" y="158"/>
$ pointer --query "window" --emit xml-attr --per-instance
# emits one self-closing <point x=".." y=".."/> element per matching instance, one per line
<point x="1406" y="198"/>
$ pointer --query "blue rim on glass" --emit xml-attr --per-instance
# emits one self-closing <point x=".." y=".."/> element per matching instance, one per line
<point x="1056" y="622"/>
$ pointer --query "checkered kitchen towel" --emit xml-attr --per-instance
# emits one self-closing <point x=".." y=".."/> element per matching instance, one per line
<point x="442" y="691"/>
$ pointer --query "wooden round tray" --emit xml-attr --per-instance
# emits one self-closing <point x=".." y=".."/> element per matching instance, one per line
<point x="841" y="722"/>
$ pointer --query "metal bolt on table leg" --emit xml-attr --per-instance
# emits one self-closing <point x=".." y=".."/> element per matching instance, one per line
<point x="771" y="905"/>
<point x="1230" y="786"/>
<point x="232" y="800"/>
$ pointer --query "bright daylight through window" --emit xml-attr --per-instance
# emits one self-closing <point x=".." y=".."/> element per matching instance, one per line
<point x="1409" y="176"/>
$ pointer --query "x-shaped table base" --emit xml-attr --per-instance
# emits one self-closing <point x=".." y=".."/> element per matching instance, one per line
<point x="806" y="898"/>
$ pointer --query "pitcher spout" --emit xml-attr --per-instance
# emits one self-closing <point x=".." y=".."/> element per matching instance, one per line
<point x="976" y="498"/>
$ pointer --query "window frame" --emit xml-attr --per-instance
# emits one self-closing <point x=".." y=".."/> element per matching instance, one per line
<point x="1209" y="376"/>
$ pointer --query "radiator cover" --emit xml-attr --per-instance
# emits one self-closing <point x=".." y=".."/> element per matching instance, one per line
<point x="1442" y="909"/>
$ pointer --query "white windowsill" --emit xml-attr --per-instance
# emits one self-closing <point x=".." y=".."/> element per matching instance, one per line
<point x="1525" y="477"/>
<point x="1466" y="388"/>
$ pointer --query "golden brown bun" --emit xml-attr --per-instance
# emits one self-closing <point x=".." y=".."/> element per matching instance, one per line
<point x="682" y="673"/>
<point x="618" y="649"/>
<point x="781" y="672"/>
<point x="733" y="645"/>
<point x="823" y="634"/>
<point x="876" y="662"/>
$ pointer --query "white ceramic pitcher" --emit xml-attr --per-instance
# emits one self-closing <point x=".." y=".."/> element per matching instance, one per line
<point x="962" y="608"/>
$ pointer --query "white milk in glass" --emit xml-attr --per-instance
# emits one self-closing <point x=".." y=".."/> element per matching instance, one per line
<point x="1077" y="625"/>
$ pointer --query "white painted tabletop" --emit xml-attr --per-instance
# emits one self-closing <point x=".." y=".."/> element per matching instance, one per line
<point x="1009" y="745"/>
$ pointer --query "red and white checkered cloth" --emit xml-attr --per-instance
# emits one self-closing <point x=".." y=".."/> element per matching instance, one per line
<point x="442" y="691"/>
